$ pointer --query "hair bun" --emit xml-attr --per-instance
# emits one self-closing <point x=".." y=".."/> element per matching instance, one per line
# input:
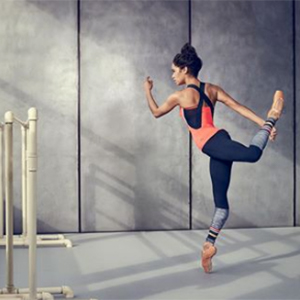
<point x="188" y="49"/>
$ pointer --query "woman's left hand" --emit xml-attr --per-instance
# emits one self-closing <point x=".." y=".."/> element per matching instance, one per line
<point x="273" y="134"/>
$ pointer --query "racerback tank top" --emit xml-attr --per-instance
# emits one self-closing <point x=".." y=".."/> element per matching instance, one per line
<point x="200" y="119"/>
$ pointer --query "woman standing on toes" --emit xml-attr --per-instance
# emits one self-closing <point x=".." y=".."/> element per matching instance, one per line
<point x="196" y="102"/>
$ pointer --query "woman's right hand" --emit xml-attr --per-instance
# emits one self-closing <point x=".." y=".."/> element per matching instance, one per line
<point x="148" y="84"/>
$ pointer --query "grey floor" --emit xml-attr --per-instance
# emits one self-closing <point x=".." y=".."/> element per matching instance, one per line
<point x="250" y="264"/>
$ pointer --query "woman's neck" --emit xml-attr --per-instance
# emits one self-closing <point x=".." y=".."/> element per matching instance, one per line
<point x="192" y="80"/>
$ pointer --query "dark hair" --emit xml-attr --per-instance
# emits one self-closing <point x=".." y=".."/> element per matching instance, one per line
<point x="188" y="58"/>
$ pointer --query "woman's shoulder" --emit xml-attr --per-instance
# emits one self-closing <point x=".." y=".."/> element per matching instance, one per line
<point x="211" y="86"/>
<point x="187" y="97"/>
<point x="183" y="93"/>
<point x="212" y="91"/>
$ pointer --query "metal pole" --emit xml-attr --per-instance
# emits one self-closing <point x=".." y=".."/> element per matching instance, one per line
<point x="24" y="175"/>
<point x="31" y="197"/>
<point x="1" y="183"/>
<point x="8" y="133"/>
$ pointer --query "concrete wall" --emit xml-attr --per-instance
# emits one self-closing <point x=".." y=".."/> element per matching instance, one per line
<point x="134" y="168"/>
<point x="38" y="58"/>
<point x="247" y="49"/>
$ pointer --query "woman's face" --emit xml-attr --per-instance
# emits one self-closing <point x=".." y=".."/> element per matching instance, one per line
<point x="178" y="75"/>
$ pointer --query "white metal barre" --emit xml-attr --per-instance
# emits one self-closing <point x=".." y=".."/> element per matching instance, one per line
<point x="31" y="171"/>
<point x="22" y="240"/>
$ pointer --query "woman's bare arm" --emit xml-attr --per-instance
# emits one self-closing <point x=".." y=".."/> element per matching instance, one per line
<point x="167" y="106"/>
<point x="246" y="112"/>
<point x="223" y="97"/>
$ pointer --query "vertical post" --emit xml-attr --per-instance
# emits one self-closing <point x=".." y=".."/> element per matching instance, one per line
<point x="8" y="134"/>
<point x="24" y="187"/>
<point x="1" y="183"/>
<point x="31" y="197"/>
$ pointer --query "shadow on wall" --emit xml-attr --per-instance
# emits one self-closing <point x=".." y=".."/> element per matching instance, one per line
<point x="92" y="182"/>
<point x="163" y="215"/>
<point x="18" y="226"/>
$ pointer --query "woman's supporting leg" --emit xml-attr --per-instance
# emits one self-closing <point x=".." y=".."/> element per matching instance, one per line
<point x="220" y="172"/>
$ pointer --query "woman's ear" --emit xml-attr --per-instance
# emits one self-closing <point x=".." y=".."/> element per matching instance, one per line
<point x="185" y="70"/>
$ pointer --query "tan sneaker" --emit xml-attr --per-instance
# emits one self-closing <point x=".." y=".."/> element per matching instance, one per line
<point x="209" y="250"/>
<point x="277" y="106"/>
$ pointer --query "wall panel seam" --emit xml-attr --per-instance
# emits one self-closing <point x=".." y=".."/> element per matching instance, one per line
<point x="79" y="116"/>
<point x="294" y="114"/>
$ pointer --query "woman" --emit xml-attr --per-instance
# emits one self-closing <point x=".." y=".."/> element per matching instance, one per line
<point x="196" y="104"/>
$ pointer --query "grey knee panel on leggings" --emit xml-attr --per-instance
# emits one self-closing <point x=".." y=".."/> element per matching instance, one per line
<point x="260" y="140"/>
<point x="220" y="217"/>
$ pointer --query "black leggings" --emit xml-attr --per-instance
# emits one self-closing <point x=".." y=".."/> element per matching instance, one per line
<point x="223" y="151"/>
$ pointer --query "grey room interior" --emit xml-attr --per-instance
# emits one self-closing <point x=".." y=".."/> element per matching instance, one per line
<point x="105" y="164"/>
<point x="133" y="193"/>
